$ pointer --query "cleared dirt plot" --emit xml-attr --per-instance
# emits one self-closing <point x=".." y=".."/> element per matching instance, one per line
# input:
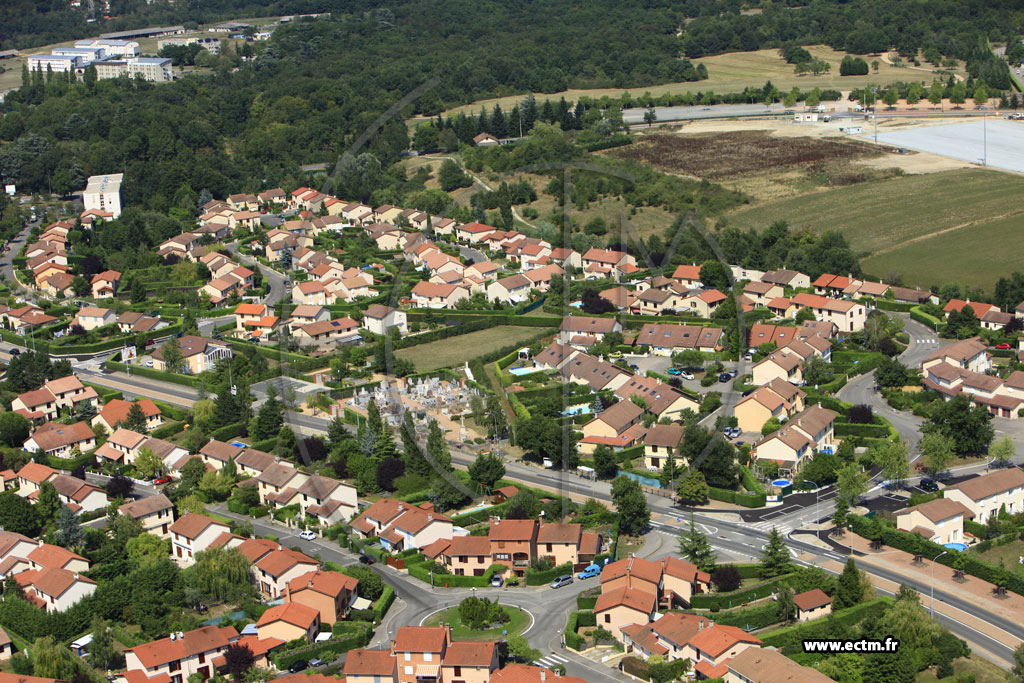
<point x="728" y="155"/>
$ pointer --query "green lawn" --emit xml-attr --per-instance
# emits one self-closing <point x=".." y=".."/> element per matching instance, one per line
<point x="446" y="353"/>
<point x="1010" y="555"/>
<point x="893" y="223"/>
<point x="518" y="622"/>
<point x="983" y="670"/>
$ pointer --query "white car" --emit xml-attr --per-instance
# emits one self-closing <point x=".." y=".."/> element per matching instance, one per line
<point x="307" y="535"/>
<point x="686" y="375"/>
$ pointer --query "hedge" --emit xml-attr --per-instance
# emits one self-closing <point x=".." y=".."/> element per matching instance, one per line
<point x="869" y="430"/>
<point x="107" y="345"/>
<point x="979" y="531"/>
<point x="750" y="482"/>
<point x="749" y="500"/>
<point x="573" y="639"/>
<point x="380" y="608"/>
<point x="750" y="618"/>
<point x="920" y="316"/>
<point x="539" y="578"/>
<point x="68" y="464"/>
<point x="738" y="597"/>
<point x="105" y="393"/>
<point x="360" y="636"/>
<point x="790" y="636"/>
<point x="228" y="432"/>
<point x="585" y="603"/>
<point x="166" y="430"/>
<point x="141" y="371"/>
<point x="916" y="545"/>
<point x="237" y="506"/>
<point x="172" y="412"/>
<point x="889" y="305"/>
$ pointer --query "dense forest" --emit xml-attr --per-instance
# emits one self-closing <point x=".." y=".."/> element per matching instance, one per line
<point x="317" y="85"/>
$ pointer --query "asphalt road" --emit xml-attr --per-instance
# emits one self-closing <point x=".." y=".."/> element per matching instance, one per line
<point x="278" y="291"/>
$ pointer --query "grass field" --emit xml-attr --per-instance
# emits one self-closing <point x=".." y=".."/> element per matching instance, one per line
<point x="518" y="622"/>
<point x="446" y="353"/>
<point x="1009" y="554"/>
<point x="734" y="71"/>
<point x="983" y="670"/>
<point x="928" y="228"/>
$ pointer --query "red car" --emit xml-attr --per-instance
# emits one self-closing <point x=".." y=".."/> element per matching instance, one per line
<point x="162" y="480"/>
<point x="1004" y="345"/>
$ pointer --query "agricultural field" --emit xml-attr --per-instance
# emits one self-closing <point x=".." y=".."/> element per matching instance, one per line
<point x="446" y="353"/>
<point x="719" y="156"/>
<point x="907" y="225"/>
<point x="734" y="71"/>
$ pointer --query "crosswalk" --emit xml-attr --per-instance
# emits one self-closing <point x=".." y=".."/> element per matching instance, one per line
<point x="927" y="341"/>
<point x="784" y="526"/>
<point x="552" y="660"/>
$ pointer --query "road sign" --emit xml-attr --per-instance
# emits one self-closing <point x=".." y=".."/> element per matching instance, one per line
<point x="128" y="353"/>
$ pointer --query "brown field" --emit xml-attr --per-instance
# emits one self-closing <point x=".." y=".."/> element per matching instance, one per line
<point x="446" y="353"/>
<point x="728" y="155"/>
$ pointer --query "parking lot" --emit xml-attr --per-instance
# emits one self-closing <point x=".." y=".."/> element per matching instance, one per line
<point x="998" y="141"/>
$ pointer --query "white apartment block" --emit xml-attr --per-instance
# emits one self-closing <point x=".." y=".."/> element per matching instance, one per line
<point x="103" y="193"/>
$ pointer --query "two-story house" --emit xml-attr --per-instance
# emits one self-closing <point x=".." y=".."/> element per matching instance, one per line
<point x="61" y="440"/>
<point x="940" y="520"/>
<point x="985" y="495"/>
<point x="181" y="654"/>
<point x="274" y="571"/>
<point x="513" y="543"/>
<point x="471" y="662"/>
<point x="380" y="319"/>
<point x="420" y="651"/>
<point x="778" y="398"/>
<point x="661" y="443"/>
<point x="192" y="534"/>
<point x="330" y="593"/>
<point x="371" y="666"/>
<point x="115" y="413"/>
<point x="154" y="513"/>
<point x="618" y="426"/>
<point x="54" y="589"/>
<point x="289" y="621"/>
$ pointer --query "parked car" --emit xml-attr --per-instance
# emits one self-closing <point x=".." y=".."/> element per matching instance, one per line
<point x="1004" y="345"/>
<point x="731" y="373"/>
<point x="687" y="375"/>
<point x="496" y="581"/>
<point x="562" y="581"/>
<point x="307" y="535"/>
<point x="732" y="432"/>
<point x="592" y="570"/>
<point x="675" y="371"/>
<point x="928" y="485"/>
<point x="298" y="665"/>
<point x="316" y="661"/>
<point x="165" y="479"/>
<point x="15" y="352"/>
<point x="724" y="377"/>
<point x="634" y="367"/>
<point x="615" y="354"/>
<point x="365" y="559"/>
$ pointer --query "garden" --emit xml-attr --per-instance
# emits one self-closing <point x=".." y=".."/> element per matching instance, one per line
<point x="482" y="619"/>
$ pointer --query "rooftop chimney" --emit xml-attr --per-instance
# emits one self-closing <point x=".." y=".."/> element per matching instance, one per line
<point x="543" y="675"/>
<point x="279" y="547"/>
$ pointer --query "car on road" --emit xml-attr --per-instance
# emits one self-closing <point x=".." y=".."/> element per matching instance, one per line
<point x="298" y="665"/>
<point x="592" y="570"/>
<point x="307" y="535"/>
<point x="15" y="352"/>
<point x="563" y="580"/>
<point x="496" y="581"/>
<point x="1004" y="346"/>
<point x="674" y="371"/>
<point x="724" y="377"/>
<point x="365" y="559"/>
<point x="166" y="479"/>
<point x="149" y="363"/>
<point x="928" y="485"/>
<point x="316" y="661"/>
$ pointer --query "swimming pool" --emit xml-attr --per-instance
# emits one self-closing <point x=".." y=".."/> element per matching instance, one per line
<point x="577" y="410"/>
<point x="523" y="371"/>
<point x="782" y="483"/>
<point x="960" y="547"/>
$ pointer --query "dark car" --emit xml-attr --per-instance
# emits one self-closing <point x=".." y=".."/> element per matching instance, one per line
<point x="928" y="485"/>
<point x="724" y="377"/>
<point x="298" y="665"/>
<point x="15" y="352"/>
<point x="365" y="559"/>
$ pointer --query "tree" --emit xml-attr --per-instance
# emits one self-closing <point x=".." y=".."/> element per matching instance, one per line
<point x="48" y="502"/>
<point x="487" y="469"/>
<point x="714" y="274"/>
<point x="785" y="606"/>
<point x="1018" y="663"/>
<point x="848" y="591"/>
<point x="891" y="96"/>
<point x="694" y="546"/>
<point x="817" y="370"/>
<point x="935" y="93"/>
<point x="594" y="303"/>
<point x="606" y="466"/>
<point x="219" y="575"/>
<point x="980" y="95"/>
<point x="891" y="373"/>
<point x="69" y="530"/>
<point x="726" y="578"/>
<point x="14" y="429"/>
<point x="136" y="419"/>
<point x="1002" y="451"/>
<point x="631" y="503"/>
<point x="969" y="426"/>
<point x="102" y="654"/>
<point x="937" y="450"/>
<point x="170" y="352"/>
<point x="650" y="116"/>
<point x="914" y="93"/>
<point x="958" y="93"/>
<point x="437" y="449"/>
<point x="519" y="649"/>
<point x="146" y="548"/>
<point x="840" y="514"/>
<point x="238" y="659"/>
<point x="19" y="515"/>
<point x="389" y="469"/>
<point x="451" y="176"/>
<point x="148" y="463"/>
<point x="775" y="559"/>
<point x="190" y="504"/>
<point x="851" y="482"/>
<point x="891" y="456"/>
<point x="52" y="659"/>
<point x="268" y="421"/>
<point x="693" y="490"/>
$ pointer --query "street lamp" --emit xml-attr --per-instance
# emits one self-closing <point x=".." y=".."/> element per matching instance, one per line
<point x="933" y="579"/>
<point x="817" y="491"/>
<point x="874" y="110"/>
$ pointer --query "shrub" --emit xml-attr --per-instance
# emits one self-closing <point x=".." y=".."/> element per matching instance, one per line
<point x="726" y="578"/>
<point x="860" y="414"/>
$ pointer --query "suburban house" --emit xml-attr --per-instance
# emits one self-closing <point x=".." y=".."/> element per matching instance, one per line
<point x="940" y="520"/>
<point x="657" y="398"/>
<point x="809" y="430"/>
<point x="54" y="589"/>
<point x="380" y="319"/>
<point x="577" y="328"/>
<point x="463" y="555"/>
<point x="472" y="662"/>
<point x="514" y="543"/>
<point x="433" y="295"/>
<point x="338" y="331"/>
<point x="198" y="354"/>
<point x="274" y="571"/>
<point x="216" y="453"/>
<point x="621" y="607"/>
<point x="154" y="513"/>
<point x="370" y="666"/>
<point x="514" y="289"/>
<point x="115" y="412"/>
<point x="78" y="495"/>
<point x="105" y="284"/>
<point x="660" y="444"/>
<point x="31" y="476"/>
<point x="330" y="593"/>
<point x="769" y="665"/>
<point x="180" y="655"/>
<point x="56" y="439"/>
<point x="563" y="543"/>
<point x="812" y="604"/>
<point x="122" y="446"/>
<point x="665" y="339"/>
<point x="778" y="398"/>
<point x="688" y="636"/>
<point x="618" y="426"/>
<point x="305" y="314"/>
<point x="967" y="354"/>
<point x="582" y="368"/>
<point x="985" y="495"/>
<point x="64" y="393"/>
<point x="91" y="317"/>
<point x="321" y="499"/>
<point x="289" y="621"/>
<point x="778" y="365"/>
<point x="193" y="534"/>
<point x="402" y="526"/>
<point x="420" y="651"/>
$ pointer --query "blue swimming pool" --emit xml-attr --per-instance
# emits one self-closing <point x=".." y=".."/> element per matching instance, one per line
<point x="577" y="410"/>
<point x="782" y="483"/>
<point x="523" y="371"/>
<point x="960" y="547"/>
